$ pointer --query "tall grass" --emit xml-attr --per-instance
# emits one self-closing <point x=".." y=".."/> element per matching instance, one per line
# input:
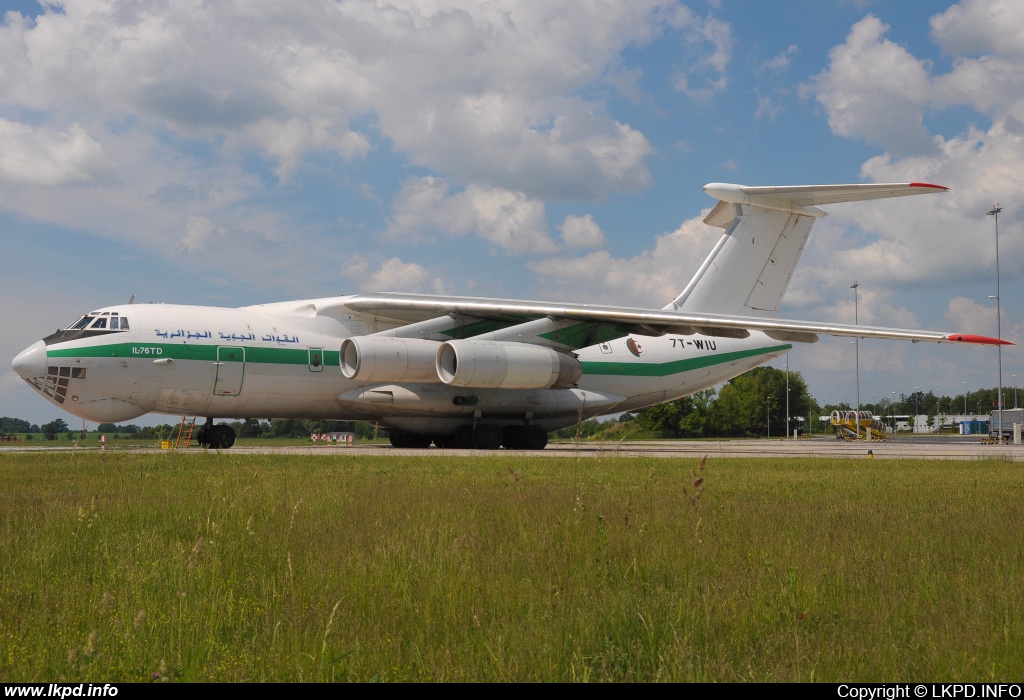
<point x="339" y="567"/>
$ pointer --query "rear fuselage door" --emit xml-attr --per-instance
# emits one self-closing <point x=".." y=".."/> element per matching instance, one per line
<point x="229" y="371"/>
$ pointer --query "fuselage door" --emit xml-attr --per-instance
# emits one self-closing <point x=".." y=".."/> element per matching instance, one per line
<point x="316" y="359"/>
<point x="229" y="371"/>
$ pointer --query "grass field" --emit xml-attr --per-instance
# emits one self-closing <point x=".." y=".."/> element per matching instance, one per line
<point x="205" y="566"/>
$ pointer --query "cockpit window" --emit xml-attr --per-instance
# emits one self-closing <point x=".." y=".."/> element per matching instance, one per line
<point x="100" y="320"/>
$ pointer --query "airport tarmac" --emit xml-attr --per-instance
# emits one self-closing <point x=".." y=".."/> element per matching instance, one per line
<point x="920" y="447"/>
<point x="904" y="447"/>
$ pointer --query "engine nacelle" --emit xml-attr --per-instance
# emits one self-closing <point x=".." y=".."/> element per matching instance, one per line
<point x="367" y="359"/>
<point x="483" y="364"/>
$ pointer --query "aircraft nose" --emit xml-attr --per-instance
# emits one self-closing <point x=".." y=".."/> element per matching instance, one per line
<point x="31" y="362"/>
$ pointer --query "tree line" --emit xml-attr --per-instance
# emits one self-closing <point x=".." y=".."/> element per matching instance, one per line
<point x="251" y="428"/>
<point x="754" y="405"/>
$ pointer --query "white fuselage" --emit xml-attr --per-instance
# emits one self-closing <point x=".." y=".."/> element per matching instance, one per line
<point x="282" y="361"/>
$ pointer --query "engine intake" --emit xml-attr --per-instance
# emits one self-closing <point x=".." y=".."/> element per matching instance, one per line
<point x="368" y="359"/>
<point x="494" y="365"/>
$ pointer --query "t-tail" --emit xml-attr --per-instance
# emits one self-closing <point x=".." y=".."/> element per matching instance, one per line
<point x="766" y="229"/>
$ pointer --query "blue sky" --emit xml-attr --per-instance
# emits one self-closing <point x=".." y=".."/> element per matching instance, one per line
<point x="238" y="153"/>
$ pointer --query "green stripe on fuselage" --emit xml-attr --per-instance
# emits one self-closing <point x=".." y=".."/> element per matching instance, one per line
<point x="181" y="351"/>
<point x="663" y="369"/>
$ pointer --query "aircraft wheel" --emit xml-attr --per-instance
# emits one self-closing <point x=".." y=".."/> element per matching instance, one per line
<point x="203" y="437"/>
<point x="416" y="441"/>
<point x="222" y="437"/>
<point x="396" y="438"/>
<point x="536" y="438"/>
<point x="513" y="437"/>
<point x="488" y="437"/>
<point x="463" y="439"/>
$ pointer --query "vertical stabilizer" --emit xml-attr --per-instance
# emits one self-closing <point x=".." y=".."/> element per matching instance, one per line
<point x="766" y="229"/>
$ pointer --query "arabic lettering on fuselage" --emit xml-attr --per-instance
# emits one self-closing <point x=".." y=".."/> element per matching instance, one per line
<point x="190" y="335"/>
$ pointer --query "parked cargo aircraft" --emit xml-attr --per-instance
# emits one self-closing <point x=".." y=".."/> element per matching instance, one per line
<point x="459" y="371"/>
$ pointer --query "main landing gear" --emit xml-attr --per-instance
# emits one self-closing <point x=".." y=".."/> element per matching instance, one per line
<point x="486" y="436"/>
<point x="218" y="437"/>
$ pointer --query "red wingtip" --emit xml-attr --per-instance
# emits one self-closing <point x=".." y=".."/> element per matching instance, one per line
<point x="977" y="339"/>
<point x="928" y="184"/>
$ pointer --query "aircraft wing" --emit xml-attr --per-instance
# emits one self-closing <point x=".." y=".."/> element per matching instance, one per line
<point x="417" y="307"/>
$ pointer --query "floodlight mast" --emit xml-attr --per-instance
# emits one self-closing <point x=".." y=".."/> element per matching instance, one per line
<point x="856" y="342"/>
<point x="994" y="212"/>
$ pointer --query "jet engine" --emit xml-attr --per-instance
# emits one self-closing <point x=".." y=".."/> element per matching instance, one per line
<point x="367" y="359"/>
<point x="495" y="365"/>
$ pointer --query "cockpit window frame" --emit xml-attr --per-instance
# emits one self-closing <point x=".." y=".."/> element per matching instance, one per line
<point x="82" y="323"/>
<point x="100" y="321"/>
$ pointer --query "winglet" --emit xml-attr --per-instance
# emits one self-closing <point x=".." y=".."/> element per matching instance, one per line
<point x="977" y="339"/>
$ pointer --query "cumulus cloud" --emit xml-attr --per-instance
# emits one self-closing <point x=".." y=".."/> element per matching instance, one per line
<point x="651" y="279"/>
<point x="198" y="230"/>
<point x="875" y="89"/>
<point x="708" y="50"/>
<point x="49" y="157"/>
<point x="393" y="275"/>
<point x="581" y="232"/>
<point x="981" y="27"/>
<point x="780" y="62"/>
<point x="969" y="316"/>
<point x="484" y="92"/>
<point x="767" y="107"/>
<point x="509" y="220"/>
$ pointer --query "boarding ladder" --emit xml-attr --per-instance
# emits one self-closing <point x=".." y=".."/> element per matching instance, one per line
<point x="185" y="430"/>
<point x="854" y="425"/>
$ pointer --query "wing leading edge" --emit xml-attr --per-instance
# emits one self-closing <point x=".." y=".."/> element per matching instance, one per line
<point x="651" y="322"/>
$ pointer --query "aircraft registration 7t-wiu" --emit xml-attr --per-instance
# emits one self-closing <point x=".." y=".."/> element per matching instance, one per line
<point x="459" y="371"/>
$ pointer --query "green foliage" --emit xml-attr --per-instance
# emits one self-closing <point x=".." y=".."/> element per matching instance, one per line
<point x="112" y="428"/>
<point x="250" y="428"/>
<point x="584" y="430"/>
<point x="748" y="402"/>
<point x="54" y="427"/>
<point x="17" y="425"/>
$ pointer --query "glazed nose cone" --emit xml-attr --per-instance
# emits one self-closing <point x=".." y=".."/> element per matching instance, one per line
<point x="31" y="362"/>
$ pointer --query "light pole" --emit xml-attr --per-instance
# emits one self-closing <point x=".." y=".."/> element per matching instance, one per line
<point x="917" y="406"/>
<point x="999" y="333"/>
<point x="787" y="395"/>
<point x="965" y="399"/>
<point x="856" y="342"/>
<point x="810" y="413"/>
<point x="1014" y="390"/>
<point x="894" y="411"/>
<point x="769" y="409"/>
